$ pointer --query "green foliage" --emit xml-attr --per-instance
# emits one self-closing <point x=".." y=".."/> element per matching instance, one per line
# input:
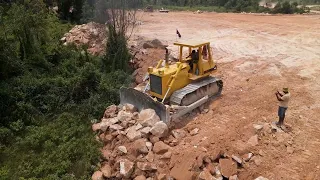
<point x="287" y="8"/>
<point x="49" y="94"/>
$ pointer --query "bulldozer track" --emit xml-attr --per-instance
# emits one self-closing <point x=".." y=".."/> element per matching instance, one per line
<point x="196" y="90"/>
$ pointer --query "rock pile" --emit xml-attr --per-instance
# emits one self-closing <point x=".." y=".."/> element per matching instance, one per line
<point x="133" y="143"/>
<point x="92" y="34"/>
<point x="137" y="145"/>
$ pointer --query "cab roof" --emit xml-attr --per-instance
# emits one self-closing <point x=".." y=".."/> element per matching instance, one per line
<point x="192" y="44"/>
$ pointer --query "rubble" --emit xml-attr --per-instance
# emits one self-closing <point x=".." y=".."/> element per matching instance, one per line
<point x="91" y="34"/>
<point x="139" y="142"/>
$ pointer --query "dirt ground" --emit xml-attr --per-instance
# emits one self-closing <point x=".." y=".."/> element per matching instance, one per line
<point x="256" y="55"/>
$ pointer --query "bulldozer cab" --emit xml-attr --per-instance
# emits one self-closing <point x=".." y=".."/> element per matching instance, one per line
<point x="201" y="63"/>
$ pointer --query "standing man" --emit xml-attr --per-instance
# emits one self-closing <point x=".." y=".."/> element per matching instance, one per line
<point x="283" y="99"/>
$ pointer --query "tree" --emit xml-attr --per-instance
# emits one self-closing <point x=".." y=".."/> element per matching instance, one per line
<point x="121" y="22"/>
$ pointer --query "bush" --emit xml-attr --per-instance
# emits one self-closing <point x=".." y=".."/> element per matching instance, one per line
<point x="49" y="96"/>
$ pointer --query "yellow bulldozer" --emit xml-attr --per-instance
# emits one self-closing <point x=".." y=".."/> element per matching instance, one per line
<point x="185" y="85"/>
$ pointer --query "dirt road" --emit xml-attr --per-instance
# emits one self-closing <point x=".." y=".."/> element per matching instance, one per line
<point x="256" y="55"/>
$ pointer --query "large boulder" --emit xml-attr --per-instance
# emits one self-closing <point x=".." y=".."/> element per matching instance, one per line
<point x="160" y="147"/>
<point x="133" y="134"/>
<point x="124" y="116"/>
<point x="148" y="117"/>
<point x="98" y="175"/>
<point x="160" y="129"/>
<point x="126" y="167"/>
<point x="111" y="111"/>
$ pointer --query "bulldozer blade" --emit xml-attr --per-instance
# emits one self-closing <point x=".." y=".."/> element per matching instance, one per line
<point x="143" y="101"/>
